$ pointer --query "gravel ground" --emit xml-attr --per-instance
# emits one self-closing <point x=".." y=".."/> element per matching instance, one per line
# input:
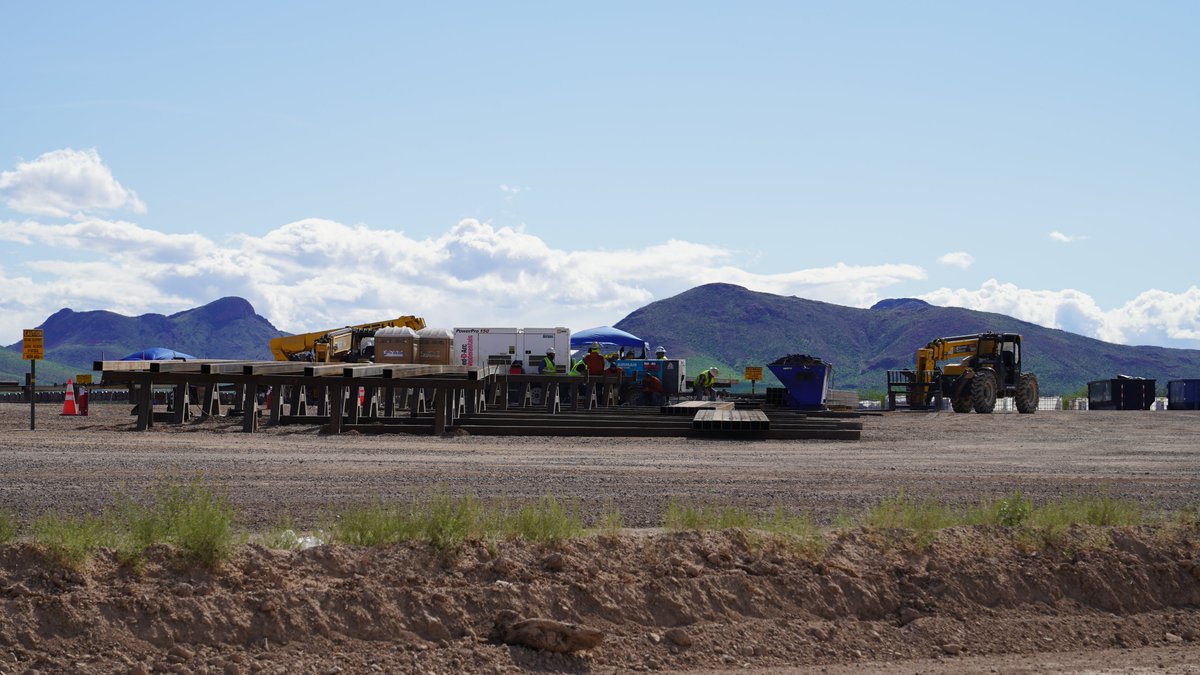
<point x="1150" y="457"/>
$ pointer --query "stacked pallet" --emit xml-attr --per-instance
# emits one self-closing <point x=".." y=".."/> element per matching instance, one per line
<point x="729" y="419"/>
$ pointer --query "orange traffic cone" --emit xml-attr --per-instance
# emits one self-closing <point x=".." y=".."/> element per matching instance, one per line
<point x="69" y="400"/>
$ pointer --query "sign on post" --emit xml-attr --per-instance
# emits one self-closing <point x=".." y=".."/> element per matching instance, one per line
<point x="754" y="374"/>
<point x="31" y="350"/>
<point x="32" y="342"/>
<point x="83" y="379"/>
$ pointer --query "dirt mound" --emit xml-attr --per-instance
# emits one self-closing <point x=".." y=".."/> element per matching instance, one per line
<point x="667" y="601"/>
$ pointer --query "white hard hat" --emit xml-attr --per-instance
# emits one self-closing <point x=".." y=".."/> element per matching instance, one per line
<point x="550" y="350"/>
<point x="595" y="346"/>
<point x="714" y="370"/>
<point x="658" y="350"/>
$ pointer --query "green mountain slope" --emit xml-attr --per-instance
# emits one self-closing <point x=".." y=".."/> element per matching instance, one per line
<point x="732" y="327"/>
<point x="13" y="369"/>
<point x="223" y="329"/>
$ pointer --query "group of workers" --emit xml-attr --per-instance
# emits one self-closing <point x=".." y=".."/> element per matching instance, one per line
<point x="594" y="363"/>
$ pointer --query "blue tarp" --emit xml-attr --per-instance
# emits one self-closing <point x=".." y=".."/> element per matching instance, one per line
<point x="606" y="335"/>
<point x="158" y="354"/>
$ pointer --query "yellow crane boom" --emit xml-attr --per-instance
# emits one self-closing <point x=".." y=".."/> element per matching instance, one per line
<point x="334" y="344"/>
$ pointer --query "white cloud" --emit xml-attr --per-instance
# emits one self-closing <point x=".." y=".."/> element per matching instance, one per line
<point x="1153" y="317"/>
<point x="313" y="273"/>
<point x="511" y="191"/>
<point x="959" y="259"/>
<point x="64" y="182"/>
<point x="1066" y="238"/>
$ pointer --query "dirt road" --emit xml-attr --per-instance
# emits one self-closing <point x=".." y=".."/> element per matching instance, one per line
<point x="697" y="602"/>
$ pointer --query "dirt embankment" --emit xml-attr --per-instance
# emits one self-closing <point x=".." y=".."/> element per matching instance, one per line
<point x="674" y="601"/>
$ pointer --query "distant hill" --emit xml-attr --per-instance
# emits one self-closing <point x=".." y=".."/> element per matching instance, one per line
<point x="227" y="328"/>
<point x="13" y="369"/>
<point x="732" y="327"/>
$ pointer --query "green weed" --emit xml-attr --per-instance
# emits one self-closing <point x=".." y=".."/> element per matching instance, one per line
<point x="8" y="527"/>
<point x="693" y="516"/>
<point x="923" y="519"/>
<point x="71" y="540"/>
<point x="611" y="522"/>
<point x="282" y="536"/>
<point x="375" y="525"/>
<point x="800" y="532"/>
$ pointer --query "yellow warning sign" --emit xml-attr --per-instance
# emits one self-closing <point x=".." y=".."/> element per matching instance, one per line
<point x="31" y="344"/>
<point x="753" y="373"/>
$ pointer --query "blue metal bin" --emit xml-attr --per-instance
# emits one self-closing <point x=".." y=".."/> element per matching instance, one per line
<point x="806" y="379"/>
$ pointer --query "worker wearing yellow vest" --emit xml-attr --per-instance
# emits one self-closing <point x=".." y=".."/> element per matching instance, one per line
<point x="548" y="366"/>
<point x="702" y="387"/>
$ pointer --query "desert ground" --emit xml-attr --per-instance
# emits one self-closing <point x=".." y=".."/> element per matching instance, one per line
<point x="663" y="601"/>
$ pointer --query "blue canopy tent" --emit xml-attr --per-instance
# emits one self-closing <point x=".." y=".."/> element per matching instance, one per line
<point x="607" y="335"/>
<point x="159" y="354"/>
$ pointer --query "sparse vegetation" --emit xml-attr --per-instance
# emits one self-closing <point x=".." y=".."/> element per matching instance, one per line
<point x="611" y="522"/>
<point x="71" y="539"/>
<point x="188" y="515"/>
<point x="694" y="516"/>
<point x="8" y="527"/>
<point x="923" y="519"/>
<point x="197" y="520"/>
<point x="283" y="536"/>
<point x="801" y="532"/>
<point x="445" y="522"/>
<point x="547" y="521"/>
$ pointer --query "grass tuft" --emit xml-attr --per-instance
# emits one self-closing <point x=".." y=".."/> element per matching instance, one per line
<point x="611" y="522"/>
<point x="800" y="532"/>
<point x="282" y="536"/>
<point x="923" y="519"/>
<point x="546" y="521"/>
<point x="376" y="524"/>
<point x="70" y="540"/>
<point x="8" y="527"/>
<point x="706" y="516"/>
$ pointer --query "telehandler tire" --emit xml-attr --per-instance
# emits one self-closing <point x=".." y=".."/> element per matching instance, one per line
<point x="962" y="402"/>
<point x="983" y="391"/>
<point x="1027" y="394"/>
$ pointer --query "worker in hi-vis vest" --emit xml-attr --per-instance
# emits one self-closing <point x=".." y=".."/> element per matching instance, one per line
<point x="548" y="366"/>
<point x="702" y="388"/>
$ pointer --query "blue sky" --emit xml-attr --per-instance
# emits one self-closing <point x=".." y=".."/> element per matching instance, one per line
<point x="545" y="164"/>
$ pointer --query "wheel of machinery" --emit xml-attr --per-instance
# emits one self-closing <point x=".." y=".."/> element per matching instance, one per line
<point x="962" y="402"/>
<point x="1027" y="394"/>
<point x="983" y="391"/>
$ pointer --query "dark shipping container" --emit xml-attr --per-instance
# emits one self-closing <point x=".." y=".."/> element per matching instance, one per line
<point x="1122" y="393"/>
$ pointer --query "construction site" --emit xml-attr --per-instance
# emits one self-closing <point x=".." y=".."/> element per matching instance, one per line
<point x="399" y="376"/>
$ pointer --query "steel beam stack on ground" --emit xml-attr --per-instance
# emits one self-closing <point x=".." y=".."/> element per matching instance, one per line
<point x="435" y="399"/>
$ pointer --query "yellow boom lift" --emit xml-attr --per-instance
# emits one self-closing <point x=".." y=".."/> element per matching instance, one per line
<point x="338" y="344"/>
<point x="970" y="370"/>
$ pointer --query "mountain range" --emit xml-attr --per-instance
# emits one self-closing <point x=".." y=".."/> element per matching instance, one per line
<point x="716" y="324"/>
<point x="227" y="328"/>
<point x="731" y="327"/>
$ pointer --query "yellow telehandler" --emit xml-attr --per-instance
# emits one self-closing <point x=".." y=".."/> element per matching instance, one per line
<point x="970" y="370"/>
